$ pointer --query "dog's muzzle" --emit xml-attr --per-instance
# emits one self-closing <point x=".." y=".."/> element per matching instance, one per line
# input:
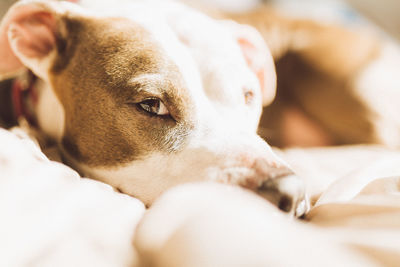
<point x="275" y="183"/>
<point x="286" y="192"/>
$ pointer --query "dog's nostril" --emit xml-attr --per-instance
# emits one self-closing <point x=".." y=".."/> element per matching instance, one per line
<point x="285" y="204"/>
<point x="286" y="192"/>
<point x="270" y="191"/>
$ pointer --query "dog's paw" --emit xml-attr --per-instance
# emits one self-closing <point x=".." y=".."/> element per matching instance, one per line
<point x="287" y="193"/>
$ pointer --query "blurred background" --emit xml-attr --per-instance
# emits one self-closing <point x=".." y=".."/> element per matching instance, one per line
<point x="384" y="13"/>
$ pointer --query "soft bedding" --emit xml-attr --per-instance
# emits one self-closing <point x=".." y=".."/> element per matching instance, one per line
<point x="52" y="217"/>
<point x="359" y="203"/>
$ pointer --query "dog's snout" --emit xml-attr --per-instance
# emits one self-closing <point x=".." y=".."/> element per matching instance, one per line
<point x="286" y="192"/>
<point x="278" y="184"/>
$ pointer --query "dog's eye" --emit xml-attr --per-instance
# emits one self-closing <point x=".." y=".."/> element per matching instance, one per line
<point x="154" y="106"/>
<point x="248" y="97"/>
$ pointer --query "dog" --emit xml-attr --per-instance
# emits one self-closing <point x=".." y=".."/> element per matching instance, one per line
<point x="215" y="63"/>
<point x="147" y="95"/>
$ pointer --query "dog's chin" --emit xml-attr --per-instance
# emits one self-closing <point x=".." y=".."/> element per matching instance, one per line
<point x="138" y="179"/>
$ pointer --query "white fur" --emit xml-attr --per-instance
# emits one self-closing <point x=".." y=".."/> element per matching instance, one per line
<point x="49" y="111"/>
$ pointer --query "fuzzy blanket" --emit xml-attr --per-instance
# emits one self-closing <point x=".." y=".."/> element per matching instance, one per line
<point x="52" y="217"/>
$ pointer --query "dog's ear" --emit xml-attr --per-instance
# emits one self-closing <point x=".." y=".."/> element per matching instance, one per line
<point x="258" y="57"/>
<point x="28" y="37"/>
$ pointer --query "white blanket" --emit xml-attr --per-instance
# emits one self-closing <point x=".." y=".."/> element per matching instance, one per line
<point x="52" y="217"/>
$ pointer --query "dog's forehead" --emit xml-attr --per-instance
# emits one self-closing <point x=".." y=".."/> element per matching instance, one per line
<point x="154" y="18"/>
<point x="118" y="45"/>
<point x="118" y="52"/>
<point x="205" y="54"/>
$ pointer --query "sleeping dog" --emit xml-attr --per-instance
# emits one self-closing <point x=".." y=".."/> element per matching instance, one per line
<point x="146" y="95"/>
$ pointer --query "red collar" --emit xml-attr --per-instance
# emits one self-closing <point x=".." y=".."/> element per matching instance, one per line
<point x="24" y="98"/>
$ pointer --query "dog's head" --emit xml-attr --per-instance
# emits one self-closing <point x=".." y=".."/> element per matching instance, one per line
<point x="157" y="96"/>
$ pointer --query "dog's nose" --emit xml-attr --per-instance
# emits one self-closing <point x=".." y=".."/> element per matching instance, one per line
<point x="286" y="192"/>
<point x="278" y="184"/>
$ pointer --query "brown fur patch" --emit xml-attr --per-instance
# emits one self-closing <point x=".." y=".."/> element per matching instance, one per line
<point x="92" y="76"/>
